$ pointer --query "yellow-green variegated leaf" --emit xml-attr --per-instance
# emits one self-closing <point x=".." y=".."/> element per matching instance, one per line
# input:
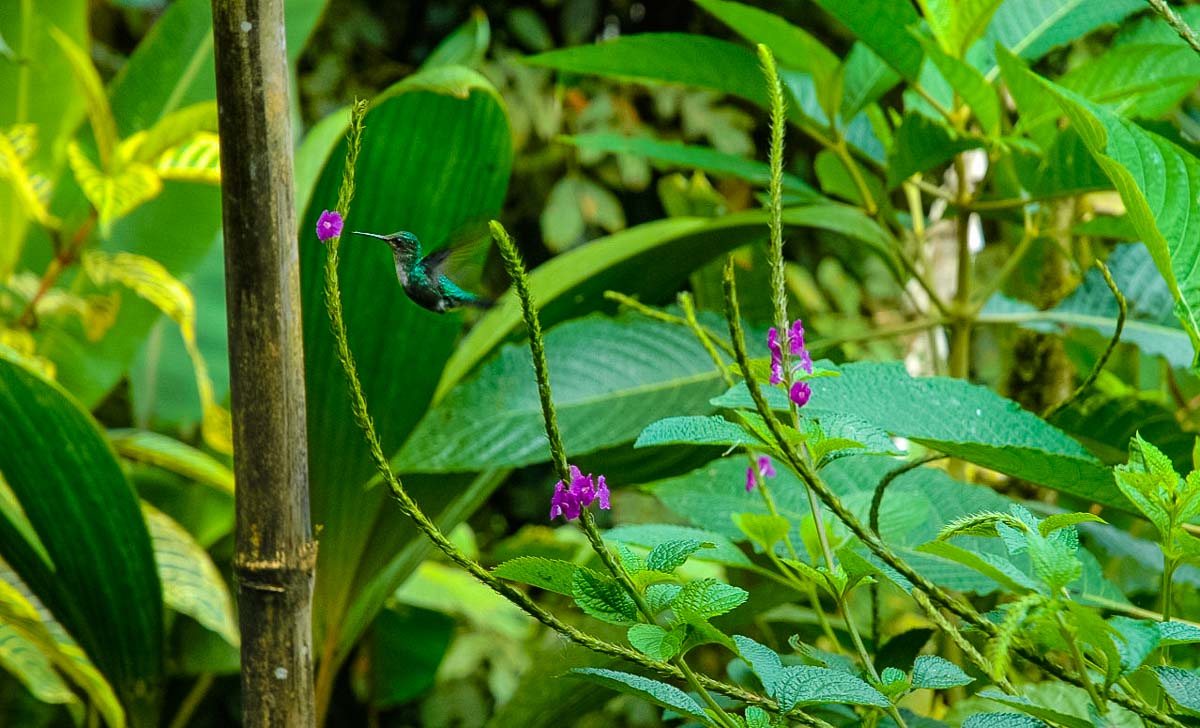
<point x="150" y="280"/>
<point x="161" y="451"/>
<point x="172" y="130"/>
<point x="29" y="188"/>
<point x="104" y="124"/>
<point x="33" y="645"/>
<point x="196" y="160"/>
<point x="113" y="195"/>
<point x="191" y="583"/>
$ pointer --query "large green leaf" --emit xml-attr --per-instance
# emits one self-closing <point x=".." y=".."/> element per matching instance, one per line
<point x="649" y="261"/>
<point x="610" y="376"/>
<point x="1159" y="182"/>
<point x="1032" y="28"/>
<point x="94" y="568"/>
<point x="961" y="419"/>
<point x="436" y="153"/>
<point x="1137" y="80"/>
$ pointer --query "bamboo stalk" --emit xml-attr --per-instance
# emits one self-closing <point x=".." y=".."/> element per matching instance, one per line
<point x="276" y="555"/>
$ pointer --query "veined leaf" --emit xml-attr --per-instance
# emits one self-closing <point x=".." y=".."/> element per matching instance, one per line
<point x="668" y="696"/>
<point x="24" y="184"/>
<point x="713" y="430"/>
<point x="92" y="564"/>
<point x="113" y="194"/>
<point x="466" y="46"/>
<point x="1137" y="80"/>
<point x="150" y="280"/>
<point x="104" y="125"/>
<point x="190" y="580"/>
<point x="1159" y="182"/>
<point x="1033" y="28"/>
<point x="883" y="26"/>
<point x="196" y="160"/>
<point x="957" y="24"/>
<point x="610" y="377"/>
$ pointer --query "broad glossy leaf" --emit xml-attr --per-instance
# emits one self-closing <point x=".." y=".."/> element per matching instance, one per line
<point x="610" y="377"/>
<point x="961" y="419"/>
<point x="95" y="570"/>
<point x="1159" y="183"/>
<point x="649" y="260"/>
<point x="445" y="126"/>
<point x="407" y="646"/>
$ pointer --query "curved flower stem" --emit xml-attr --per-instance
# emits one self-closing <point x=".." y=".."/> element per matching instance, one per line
<point x="1177" y="23"/>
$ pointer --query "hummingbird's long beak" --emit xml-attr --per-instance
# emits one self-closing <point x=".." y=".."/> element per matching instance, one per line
<point x="369" y="235"/>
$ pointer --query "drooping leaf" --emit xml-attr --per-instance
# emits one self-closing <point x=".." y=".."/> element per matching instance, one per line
<point x="104" y="125"/>
<point x="93" y="566"/>
<point x="190" y="581"/>
<point x="668" y="696"/>
<point x="152" y="448"/>
<point x="656" y="642"/>
<point x="466" y="46"/>
<point x="550" y="574"/>
<point x="113" y="194"/>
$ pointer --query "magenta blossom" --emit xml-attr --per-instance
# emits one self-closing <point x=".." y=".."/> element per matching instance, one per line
<point x="765" y="469"/>
<point x="329" y="225"/>
<point x="800" y="392"/>
<point x="570" y="500"/>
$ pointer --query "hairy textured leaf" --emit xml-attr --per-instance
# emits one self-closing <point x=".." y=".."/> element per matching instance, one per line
<point x="931" y="671"/>
<point x="610" y="377"/>
<point x="806" y="685"/>
<point x="550" y="574"/>
<point x="1182" y="686"/>
<point x="1002" y="720"/>
<point x="714" y="430"/>
<point x="603" y="598"/>
<point x="704" y="599"/>
<point x="670" y="555"/>
<point x="656" y="642"/>
<point x="652" y="535"/>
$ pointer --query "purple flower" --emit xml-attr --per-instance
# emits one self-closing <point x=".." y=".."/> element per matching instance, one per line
<point x="329" y="225"/>
<point x="765" y="469"/>
<point x="776" y="356"/>
<point x="800" y="393"/>
<point x="797" y="347"/>
<point x="570" y="500"/>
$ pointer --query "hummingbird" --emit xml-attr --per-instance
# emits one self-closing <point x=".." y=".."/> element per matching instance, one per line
<point x="423" y="277"/>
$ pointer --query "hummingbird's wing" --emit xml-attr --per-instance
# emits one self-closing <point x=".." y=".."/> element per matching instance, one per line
<point x="462" y="256"/>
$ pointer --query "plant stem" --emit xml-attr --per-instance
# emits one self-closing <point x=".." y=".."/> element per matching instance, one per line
<point x="960" y="325"/>
<point x="62" y="260"/>
<point x="1080" y="663"/>
<point x="1177" y="23"/>
<point x="191" y="701"/>
<point x="1168" y="597"/>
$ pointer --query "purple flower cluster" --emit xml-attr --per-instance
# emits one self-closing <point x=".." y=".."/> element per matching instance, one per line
<point x="800" y="392"/>
<point x="329" y="225"/>
<point x="570" y="500"/>
<point x="754" y="475"/>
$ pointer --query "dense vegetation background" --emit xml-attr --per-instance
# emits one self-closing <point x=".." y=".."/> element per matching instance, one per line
<point x="1005" y="193"/>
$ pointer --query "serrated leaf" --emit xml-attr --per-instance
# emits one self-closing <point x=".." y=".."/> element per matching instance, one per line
<point x="1137" y="81"/>
<point x="660" y="596"/>
<point x="883" y="26"/>
<point x="723" y="551"/>
<point x="1032" y="28"/>
<point x="704" y="599"/>
<point x="756" y="717"/>
<point x="960" y="419"/>
<point x="190" y="580"/>
<point x="763" y="661"/>
<point x="714" y="430"/>
<point x="969" y="83"/>
<point x="1178" y="633"/>
<point x="922" y="144"/>
<point x="931" y="671"/>
<point x="668" y="696"/>
<point x="113" y="194"/>
<point x="550" y="574"/>
<point x="603" y="598"/>
<point x="1002" y="720"/>
<point x="670" y="555"/>
<point x="150" y="280"/>
<point x="805" y="685"/>
<point x="1182" y="686"/>
<point x="996" y="568"/>
<point x="152" y="448"/>
<point x="957" y="24"/>
<point x="656" y="642"/>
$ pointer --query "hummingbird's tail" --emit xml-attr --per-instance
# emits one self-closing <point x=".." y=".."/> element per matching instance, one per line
<point x="481" y="303"/>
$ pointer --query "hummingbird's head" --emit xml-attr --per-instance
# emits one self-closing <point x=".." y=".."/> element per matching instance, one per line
<point x="402" y="242"/>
